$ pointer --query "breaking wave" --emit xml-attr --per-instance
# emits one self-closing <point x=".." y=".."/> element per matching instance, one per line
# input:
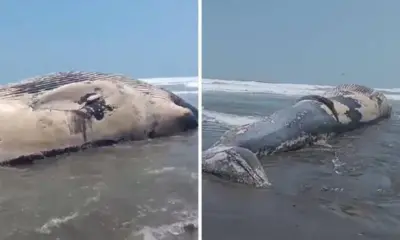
<point x="289" y="89"/>
<point x="188" y="82"/>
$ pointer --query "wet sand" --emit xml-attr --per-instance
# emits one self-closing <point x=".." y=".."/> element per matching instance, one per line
<point x="232" y="212"/>
<point x="141" y="190"/>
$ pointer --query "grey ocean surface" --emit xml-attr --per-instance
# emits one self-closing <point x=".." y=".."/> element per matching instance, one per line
<point x="348" y="188"/>
<point x="134" y="190"/>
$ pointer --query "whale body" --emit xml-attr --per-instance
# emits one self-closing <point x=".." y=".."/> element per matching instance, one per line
<point x="235" y="156"/>
<point x="68" y="111"/>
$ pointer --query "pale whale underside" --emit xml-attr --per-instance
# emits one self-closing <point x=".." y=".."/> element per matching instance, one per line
<point x="68" y="111"/>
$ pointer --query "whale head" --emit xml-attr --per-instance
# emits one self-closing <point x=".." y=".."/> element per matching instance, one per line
<point x="189" y="120"/>
<point x="235" y="164"/>
<point x="172" y="114"/>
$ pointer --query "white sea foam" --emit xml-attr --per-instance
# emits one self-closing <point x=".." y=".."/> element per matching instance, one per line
<point x="185" y="92"/>
<point x="289" y="89"/>
<point x="56" y="222"/>
<point x="181" y="86"/>
<point x="227" y="119"/>
<point x="161" y="170"/>
<point x="161" y="232"/>
<point x="190" y="82"/>
<point x="166" y="231"/>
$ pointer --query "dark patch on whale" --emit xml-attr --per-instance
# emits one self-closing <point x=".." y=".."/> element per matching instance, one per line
<point x="322" y="100"/>
<point x="95" y="107"/>
<point x="353" y="105"/>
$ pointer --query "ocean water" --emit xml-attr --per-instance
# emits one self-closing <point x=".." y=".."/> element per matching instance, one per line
<point x="135" y="190"/>
<point x="347" y="188"/>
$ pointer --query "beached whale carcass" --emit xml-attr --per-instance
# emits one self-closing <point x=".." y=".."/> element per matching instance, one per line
<point x="341" y="109"/>
<point x="60" y="112"/>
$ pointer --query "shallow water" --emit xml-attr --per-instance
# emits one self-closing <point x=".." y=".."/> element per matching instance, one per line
<point x="347" y="188"/>
<point x="134" y="190"/>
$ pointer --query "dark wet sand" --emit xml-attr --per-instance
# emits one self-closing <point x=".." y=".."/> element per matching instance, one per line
<point x="141" y="190"/>
<point x="249" y="214"/>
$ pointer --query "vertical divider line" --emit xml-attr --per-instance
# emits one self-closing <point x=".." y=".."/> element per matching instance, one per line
<point x="200" y="104"/>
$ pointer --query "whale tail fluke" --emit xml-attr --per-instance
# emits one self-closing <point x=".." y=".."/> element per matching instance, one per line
<point x="236" y="164"/>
